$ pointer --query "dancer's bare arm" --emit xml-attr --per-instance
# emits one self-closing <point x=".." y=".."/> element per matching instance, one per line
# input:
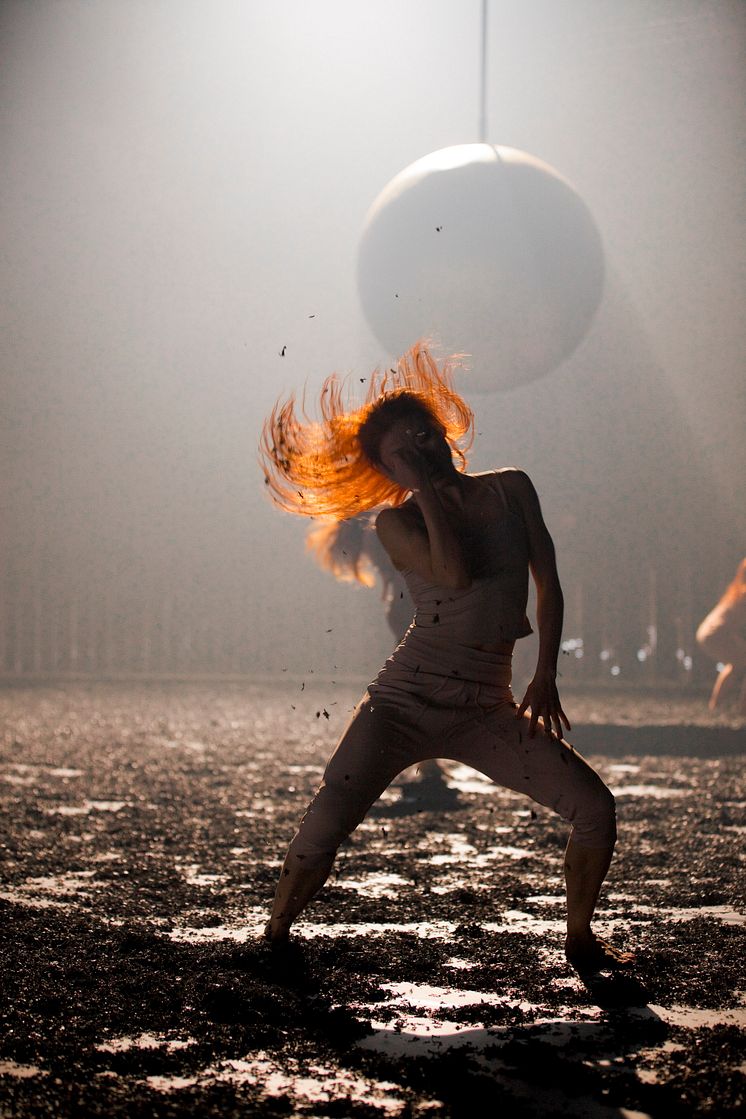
<point x="541" y="695"/>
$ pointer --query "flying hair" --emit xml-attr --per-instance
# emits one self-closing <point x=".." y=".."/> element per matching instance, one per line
<point x="340" y="547"/>
<point x="325" y="467"/>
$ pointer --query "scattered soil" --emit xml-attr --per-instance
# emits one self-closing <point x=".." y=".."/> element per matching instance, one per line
<point x="142" y="830"/>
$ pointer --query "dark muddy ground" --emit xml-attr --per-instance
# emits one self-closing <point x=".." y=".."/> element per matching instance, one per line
<point x="141" y="836"/>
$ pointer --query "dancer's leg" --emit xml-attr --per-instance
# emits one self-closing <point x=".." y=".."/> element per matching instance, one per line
<point x="375" y="747"/>
<point x="556" y="776"/>
<point x="722" y="687"/>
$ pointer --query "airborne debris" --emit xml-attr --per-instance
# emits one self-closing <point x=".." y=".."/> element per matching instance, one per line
<point x="282" y="351"/>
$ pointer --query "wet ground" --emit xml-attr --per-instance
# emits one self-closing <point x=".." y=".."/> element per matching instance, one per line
<point x="142" y="831"/>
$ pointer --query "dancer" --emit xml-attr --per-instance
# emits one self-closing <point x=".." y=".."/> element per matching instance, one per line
<point x="351" y="551"/>
<point x="464" y="543"/>
<point x="722" y="636"/>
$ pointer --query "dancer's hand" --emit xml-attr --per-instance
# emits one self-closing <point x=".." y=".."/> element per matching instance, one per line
<point x="412" y="467"/>
<point x="543" y="699"/>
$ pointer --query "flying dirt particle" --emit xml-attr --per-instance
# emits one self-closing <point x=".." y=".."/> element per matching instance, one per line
<point x="325" y="713"/>
<point x="303" y="685"/>
<point x="283" y="351"/>
<point x="438" y="228"/>
<point x="436" y="618"/>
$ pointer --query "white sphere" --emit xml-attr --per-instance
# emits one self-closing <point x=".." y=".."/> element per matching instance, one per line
<point x="487" y="251"/>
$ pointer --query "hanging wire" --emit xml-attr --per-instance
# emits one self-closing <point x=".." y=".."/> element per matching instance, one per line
<point x="483" y="79"/>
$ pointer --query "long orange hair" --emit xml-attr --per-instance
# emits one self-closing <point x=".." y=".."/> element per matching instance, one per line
<point x="342" y="548"/>
<point x="317" y="467"/>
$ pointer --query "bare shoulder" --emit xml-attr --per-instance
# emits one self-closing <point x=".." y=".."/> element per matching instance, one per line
<point x="396" y="528"/>
<point x="396" y="520"/>
<point x="515" y="481"/>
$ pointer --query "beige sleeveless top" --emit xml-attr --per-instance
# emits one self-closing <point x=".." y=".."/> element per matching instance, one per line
<point x="493" y="608"/>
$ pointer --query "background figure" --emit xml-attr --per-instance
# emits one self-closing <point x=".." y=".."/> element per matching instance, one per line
<point x="722" y="636"/>
<point x="351" y="551"/>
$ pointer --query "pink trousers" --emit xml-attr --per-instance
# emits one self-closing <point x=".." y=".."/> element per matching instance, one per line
<point x="410" y="714"/>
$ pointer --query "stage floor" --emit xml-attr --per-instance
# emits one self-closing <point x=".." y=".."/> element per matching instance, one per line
<point x="142" y="831"/>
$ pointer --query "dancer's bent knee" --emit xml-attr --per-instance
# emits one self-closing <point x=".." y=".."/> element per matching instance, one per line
<point x="594" y="824"/>
<point x="330" y="819"/>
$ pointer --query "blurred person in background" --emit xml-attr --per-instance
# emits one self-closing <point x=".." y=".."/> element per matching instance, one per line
<point x="722" y="636"/>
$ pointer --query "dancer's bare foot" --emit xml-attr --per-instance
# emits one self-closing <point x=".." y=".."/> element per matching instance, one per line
<point x="276" y="933"/>
<point x="591" y="953"/>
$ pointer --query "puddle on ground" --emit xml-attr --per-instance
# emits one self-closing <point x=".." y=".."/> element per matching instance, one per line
<point x="430" y="1032"/>
<point x="29" y="774"/>
<point x="375" y="885"/>
<point x="511" y="920"/>
<point x="305" y="1084"/>
<point x="693" y="1018"/>
<point x="435" y="999"/>
<point x="145" y="1041"/>
<point x="20" y="1072"/>
<point x="423" y="1028"/>
<point x="86" y="807"/>
<point x="171" y="1083"/>
<point x="193" y="877"/>
<point x="655" y="792"/>
<point x="252" y="926"/>
<point x="725" y="913"/>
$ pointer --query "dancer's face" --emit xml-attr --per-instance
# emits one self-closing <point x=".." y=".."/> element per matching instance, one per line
<point x="419" y="436"/>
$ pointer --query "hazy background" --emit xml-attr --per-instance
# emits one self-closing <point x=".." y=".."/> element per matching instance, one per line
<point x="184" y="184"/>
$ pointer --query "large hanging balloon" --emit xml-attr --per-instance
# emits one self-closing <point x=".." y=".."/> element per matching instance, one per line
<point x="487" y="251"/>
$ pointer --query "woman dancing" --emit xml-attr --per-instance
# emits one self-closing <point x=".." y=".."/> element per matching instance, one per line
<point x="464" y="543"/>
